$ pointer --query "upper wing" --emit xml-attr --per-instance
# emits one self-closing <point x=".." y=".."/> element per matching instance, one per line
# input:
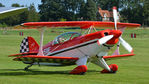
<point x="81" y="24"/>
<point x="117" y="56"/>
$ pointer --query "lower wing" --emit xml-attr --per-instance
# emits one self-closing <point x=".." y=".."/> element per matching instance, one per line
<point x="47" y="59"/>
<point x="117" y="56"/>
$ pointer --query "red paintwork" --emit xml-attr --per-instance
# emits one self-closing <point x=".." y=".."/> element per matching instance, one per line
<point x="81" y="24"/>
<point x="116" y="56"/>
<point x="33" y="45"/>
<point x="47" y="57"/>
<point x="21" y="54"/>
<point x="83" y="39"/>
<point x="79" y="70"/>
<point x="114" y="8"/>
<point x="113" y="67"/>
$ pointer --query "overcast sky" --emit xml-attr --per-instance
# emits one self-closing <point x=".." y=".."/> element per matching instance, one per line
<point x="8" y="3"/>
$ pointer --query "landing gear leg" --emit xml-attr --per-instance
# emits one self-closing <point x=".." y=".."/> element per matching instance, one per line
<point x="102" y="63"/>
<point x="26" y="68"/>
<point x="81" y="68"/>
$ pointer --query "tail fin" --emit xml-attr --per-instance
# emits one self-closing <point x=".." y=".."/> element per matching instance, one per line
<point x="29" y="45"/>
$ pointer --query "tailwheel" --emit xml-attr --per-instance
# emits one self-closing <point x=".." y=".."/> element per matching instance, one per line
<point x="80" y="70"/>
<point x="113" y="68"/>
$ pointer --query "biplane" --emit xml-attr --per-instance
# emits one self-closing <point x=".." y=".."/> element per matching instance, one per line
<point x="72" y="48"/>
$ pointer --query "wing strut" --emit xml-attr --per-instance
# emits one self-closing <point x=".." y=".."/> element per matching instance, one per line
<point x="40" y="52"/>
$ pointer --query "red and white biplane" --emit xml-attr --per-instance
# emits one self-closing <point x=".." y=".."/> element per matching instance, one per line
<point x="73" y="48"/>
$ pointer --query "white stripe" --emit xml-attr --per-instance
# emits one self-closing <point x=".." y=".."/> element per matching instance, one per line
<point x="71" y="47"/>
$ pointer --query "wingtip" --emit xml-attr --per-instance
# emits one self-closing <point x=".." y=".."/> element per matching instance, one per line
<point x="22" y="24"/>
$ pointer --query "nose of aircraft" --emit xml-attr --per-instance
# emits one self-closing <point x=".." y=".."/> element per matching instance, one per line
<point x="116" y="34"/>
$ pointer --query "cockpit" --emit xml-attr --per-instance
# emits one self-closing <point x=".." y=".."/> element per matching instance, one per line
<point x="65" y="37"/>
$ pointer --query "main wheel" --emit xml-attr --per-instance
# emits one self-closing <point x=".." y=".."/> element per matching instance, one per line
<point x="113" y="68"/>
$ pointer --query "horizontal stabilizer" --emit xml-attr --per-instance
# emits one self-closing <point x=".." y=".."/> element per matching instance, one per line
<point x="117" y="56"/>
<point x="23" y="54"/>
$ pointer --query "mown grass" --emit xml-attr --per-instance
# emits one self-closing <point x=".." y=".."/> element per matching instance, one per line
<point x="133" y="70"/>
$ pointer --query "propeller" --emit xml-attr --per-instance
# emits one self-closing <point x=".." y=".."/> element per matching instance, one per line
<point x="121" y="40"/>
<point x="115" y="16"/>
<point x="104" y="39"/>
<point x="125" y="44"/>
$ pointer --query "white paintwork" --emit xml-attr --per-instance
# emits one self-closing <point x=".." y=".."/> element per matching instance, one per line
<point x="105" y="39"/>
<point x="89" y="50"/>
<point x="40" y="52"/>
<point x="125" y="44"/>
<point x="82" y="61"/>
<point x="103" y="64"/>
<point x="100" y="61"/>
<point x="115" y="16"/>
<point x="77" y="51"/>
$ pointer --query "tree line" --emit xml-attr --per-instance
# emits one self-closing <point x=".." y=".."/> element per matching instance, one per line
<point x="133" y="11"/>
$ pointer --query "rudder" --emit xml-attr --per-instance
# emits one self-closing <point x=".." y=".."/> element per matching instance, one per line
<point x="28" y="44"/>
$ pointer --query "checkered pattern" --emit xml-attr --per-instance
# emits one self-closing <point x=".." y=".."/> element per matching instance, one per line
<point x="24" y="47"/>
<point x="61" y="61"/>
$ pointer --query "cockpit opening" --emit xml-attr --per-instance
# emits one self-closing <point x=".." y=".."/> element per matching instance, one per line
<point x="65" y="37"/>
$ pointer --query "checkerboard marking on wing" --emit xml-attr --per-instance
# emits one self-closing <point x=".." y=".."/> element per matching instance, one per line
<point x="24" y="47"/>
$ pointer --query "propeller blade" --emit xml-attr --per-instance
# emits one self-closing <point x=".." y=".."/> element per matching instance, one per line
<point x="104" y="39"/>
<point x="115" y="16"/>
<point x="125" y="44"/>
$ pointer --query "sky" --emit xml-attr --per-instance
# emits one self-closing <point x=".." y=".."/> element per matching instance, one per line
<point x="8" y="3"/>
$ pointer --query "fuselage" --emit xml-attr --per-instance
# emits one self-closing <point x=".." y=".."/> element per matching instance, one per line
<point x="81" y="45"/>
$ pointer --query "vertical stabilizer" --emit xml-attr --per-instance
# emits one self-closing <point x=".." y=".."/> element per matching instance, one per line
<point x="28" y="44"/>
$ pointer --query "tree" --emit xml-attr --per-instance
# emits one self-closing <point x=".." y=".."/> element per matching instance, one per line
<point x="54" y="10"/>
<point x="32" y="15"/>
<point x="91" y="10"/>
<point x="132" y="11"/>
<point x="1" y="5"/>
<point x="146" y="13"/>
<point x="71" y="9"/>
<point x="82" y="11"/>
<point x="108" y="4"/>
<point x="15" y="5"/>
<point x="50" y="10"/>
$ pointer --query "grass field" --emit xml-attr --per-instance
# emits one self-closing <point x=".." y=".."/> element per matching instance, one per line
<point x="133" y="70"/>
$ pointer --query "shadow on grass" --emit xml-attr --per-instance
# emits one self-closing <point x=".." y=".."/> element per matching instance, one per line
<point x="19" y="72"/>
